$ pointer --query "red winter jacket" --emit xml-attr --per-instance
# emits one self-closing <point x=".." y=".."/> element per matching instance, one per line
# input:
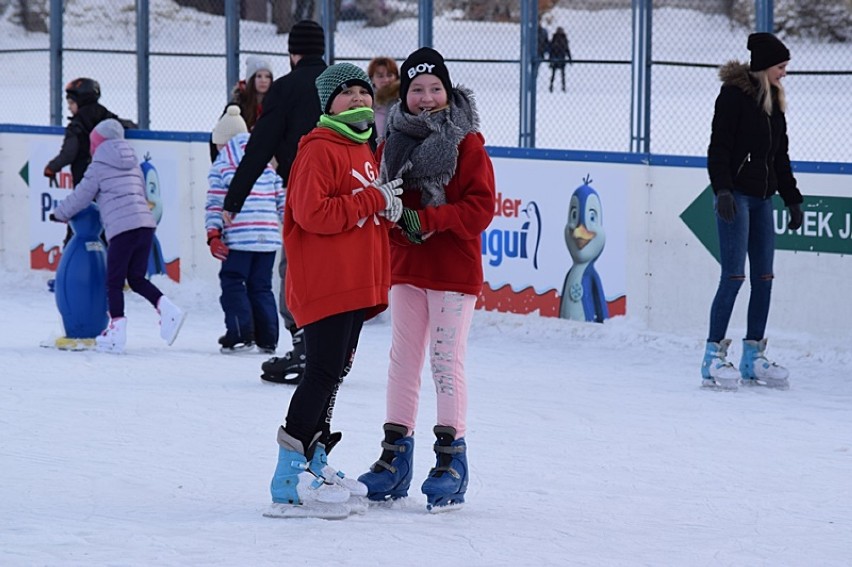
<point x="451" y="258"/>
<point x="336" y="244"/>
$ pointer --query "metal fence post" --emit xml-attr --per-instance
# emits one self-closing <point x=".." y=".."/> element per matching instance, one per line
<point x="640" y="81"/>
<point x="328" y="25"/>
<point x="232" y="45"/>
<point x="764" y="15"/>
<point x="529" y="41"/>
<point x="425" y="23"/>
<point x="143" y="64"/>
<point x="56" y="90"/>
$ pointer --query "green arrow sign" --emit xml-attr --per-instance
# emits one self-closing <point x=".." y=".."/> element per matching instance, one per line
<point x="827" y="225"/>
<point x="25" y="173"/>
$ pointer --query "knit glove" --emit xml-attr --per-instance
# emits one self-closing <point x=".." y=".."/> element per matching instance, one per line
<point x="796" y="217"/>
<point x="391" y="191"/>
<point x="725" y="206"/>
<point x="218" y="249"/>
<point x="409" y="222"/>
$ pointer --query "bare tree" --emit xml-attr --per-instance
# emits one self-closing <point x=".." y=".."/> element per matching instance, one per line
<point x="33" y="15"/>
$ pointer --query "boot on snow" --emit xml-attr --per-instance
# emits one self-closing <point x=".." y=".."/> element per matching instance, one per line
<point x="756" y="369"/>
<point x="287" y="369"/>
<point x="171" y="319"/>
<point x="390" y="477"/>
<point x="235" y="345"/>
<point x="297" y="492"/>
<point x="446" y="484"/>
<point x="716" y="371"/>
<point x="114" y="337"/>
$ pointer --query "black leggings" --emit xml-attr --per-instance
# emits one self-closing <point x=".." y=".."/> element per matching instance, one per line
<point x="329" y="343"/>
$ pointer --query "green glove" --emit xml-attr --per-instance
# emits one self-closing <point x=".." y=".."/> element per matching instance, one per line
<point x="409" y="222"/>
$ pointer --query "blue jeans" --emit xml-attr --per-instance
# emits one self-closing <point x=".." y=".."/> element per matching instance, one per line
<point x="247" y="298"/>
<point x="750" y="234"/>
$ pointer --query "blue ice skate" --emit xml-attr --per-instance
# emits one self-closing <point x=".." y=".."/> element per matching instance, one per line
<point x="390" y="476"/>
<point x="447" y="482"/>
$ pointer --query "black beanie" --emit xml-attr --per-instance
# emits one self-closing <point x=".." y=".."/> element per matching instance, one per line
<point x="766" y="51"/>
<point x="423" y="61"/>
<point x="306" y="38"/>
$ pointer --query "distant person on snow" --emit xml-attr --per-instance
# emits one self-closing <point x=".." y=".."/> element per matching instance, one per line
<point x="114" y="181"/>
<point x="559" y="52"/>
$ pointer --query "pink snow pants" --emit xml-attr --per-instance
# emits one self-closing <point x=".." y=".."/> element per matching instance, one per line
<point x="441" y="320"/>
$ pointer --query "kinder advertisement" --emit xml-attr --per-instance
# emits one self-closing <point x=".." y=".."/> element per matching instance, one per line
<point x="159" y="167"/>
<point x="558" y="241"/>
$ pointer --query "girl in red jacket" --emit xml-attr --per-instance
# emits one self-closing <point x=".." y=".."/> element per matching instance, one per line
<point x="433" y="143"/>
<point x="336" y="221"/>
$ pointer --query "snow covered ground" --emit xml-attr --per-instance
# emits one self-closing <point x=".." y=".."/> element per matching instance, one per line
<point x="589" y="445"/>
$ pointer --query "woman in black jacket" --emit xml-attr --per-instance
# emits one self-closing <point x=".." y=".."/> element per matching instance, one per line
<point x="748" y="163"/>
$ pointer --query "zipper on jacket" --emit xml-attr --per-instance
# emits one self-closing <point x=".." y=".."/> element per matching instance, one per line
<point x="740" y="168"/>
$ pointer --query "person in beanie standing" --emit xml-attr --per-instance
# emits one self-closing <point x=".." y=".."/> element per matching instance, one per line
<point x="115" y="182"/>
<point x="248" y="94"/>
<point x="290" y="110"/>
<point x="247" y="246"/>
<point x="433" y="142"/>
<point x="748" y="162"/>
<point x="336" y="221"/>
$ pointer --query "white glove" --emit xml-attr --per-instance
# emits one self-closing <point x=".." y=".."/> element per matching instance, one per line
<point x="393" y="212"/>
<point x="389" y="191"/>
<point x="393" y="204"/>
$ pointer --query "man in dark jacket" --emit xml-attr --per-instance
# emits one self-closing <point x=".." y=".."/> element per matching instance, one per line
<point x="291" y="109"/>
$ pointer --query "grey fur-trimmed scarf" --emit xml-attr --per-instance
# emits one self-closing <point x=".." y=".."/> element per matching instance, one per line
<point x="423" y="149"/>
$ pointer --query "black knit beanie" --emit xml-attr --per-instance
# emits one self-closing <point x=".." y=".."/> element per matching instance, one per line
<point x="306" y="38"/>
<point x="423" y="61"/>
<point x="766" y="51"/>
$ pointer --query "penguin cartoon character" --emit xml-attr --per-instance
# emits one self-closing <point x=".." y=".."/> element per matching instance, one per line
<point x="156" y="262"/>
<point x="583" y="296"/>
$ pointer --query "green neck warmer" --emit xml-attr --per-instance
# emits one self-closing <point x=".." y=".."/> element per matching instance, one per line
<point x="355" y="124"/>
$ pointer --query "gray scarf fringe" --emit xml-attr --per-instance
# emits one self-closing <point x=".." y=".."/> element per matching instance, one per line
<point x="424" y="149"/>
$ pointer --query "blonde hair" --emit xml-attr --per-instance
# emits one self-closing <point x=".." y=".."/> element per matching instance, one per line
<point x="764" y="93"/>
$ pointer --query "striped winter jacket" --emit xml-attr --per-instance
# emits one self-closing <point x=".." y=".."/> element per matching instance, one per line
<point x="257" y="227"/>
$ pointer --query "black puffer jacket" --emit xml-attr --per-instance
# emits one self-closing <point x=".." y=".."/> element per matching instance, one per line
<point x="75" y="146"/>
<point x="291" y="109"/>
<point x="748" y="148"/>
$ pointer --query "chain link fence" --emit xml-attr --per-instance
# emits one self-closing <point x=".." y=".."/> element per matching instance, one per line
<point x="481" y="42"/>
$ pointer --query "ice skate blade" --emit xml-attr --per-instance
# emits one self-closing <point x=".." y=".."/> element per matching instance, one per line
<point x="237" y="350"/>
<point x="771" y="384"/>
<point x="321" y="510"/>
<point x="710" y="384"/>
<point x="448" y="506"/>
<point x="278" y="379"/>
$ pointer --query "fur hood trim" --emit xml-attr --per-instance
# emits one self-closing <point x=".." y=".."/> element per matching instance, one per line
<point x="736" y="74"/>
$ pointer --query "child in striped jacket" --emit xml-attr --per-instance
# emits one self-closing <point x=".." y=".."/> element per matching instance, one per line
<point x="247" y="246"/>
